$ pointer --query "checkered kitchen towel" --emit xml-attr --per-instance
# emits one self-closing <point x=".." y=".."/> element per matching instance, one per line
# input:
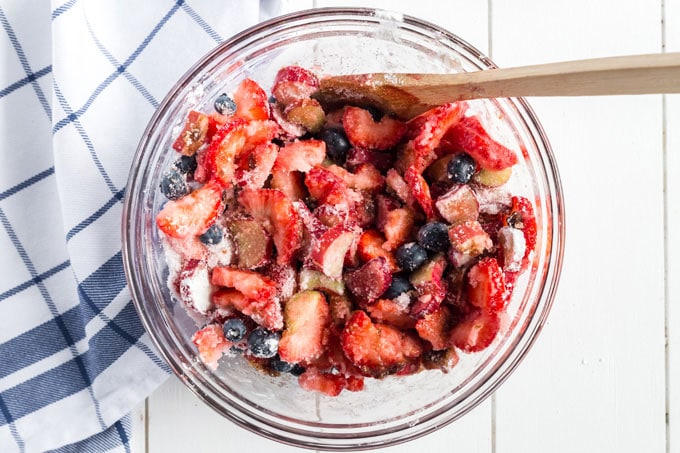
<point x="79" y="79"/>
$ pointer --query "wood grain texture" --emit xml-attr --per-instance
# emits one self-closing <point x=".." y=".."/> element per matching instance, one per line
<point x="595" y="379"/>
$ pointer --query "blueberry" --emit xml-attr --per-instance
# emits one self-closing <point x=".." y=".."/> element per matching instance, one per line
<point x="225" y="105"/>
<point x="263" y="343"/>
<point x="186" y="164"/>
<point x="234" y="329"/>
<point x="410" y="256"/>
<point x="434" y="236"/>
<point x="337" y="144"/>
<point x="399" y="285"/>
<point x="279" y="365"/>
<point x="461" y="168"/>
<point x="212" y="236"/>
<point x="173" y="185"/>
<point x="297" y="370"/>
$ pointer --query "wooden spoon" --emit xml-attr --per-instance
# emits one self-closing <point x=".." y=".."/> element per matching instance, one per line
<point x="408" y="95"/>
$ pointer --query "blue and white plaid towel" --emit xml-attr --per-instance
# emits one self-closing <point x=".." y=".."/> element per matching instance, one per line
<point x="79" y="79"/>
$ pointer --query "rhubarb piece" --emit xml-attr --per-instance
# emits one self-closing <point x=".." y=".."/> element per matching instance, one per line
<point x="369" y="281"/>
<point x="306" y="317"/>
<point x="253" y="245"/>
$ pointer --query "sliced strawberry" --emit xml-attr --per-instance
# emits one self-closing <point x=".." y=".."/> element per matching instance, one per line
<point x="328" y="254"/>
<point x="251" y="101"/>
<point x="383" y="161"/>
<point x="311" y="222"/>
<point x="435" y="327"/>
<point x="215" y="121"/>
<point x="301" y="155"/>
<point x="306" y="317"/>
<point x="398" y="227"/>
<point x="361" y="208"/>
<point x="189" y="247"/>
<point x="427" y="130"/>
<point x="194" y="286"/>
<point x="224" y="149"/>
<point x="363" y="132"/>
<point x="486" y="285"/>
<point x="192" y="214"/>
<point x="285" y="278"/>
<point x="399" y="187"/>
<point x="420" y="191"/>
<point x="255" y="171"/>
<point x="293" y="83"/>
<point x="469" y="238"/>
<point x="271" y="207"/>
<point x="428" y="281"/>
<point x="365" y="177"/>
<point x="458" y="205"/>
<point x="475" y="332"/>
<point x="252" y="284"/>
<point x="369" y="281"/>
<point x="522" y="217"/>
<point x="377" y="349"/>
<point x="389" y="311"/>
<point x="470" y="136"/>
<point x="194" y="134"/>
<point x="291" y="183"/>
<point x="326" y="187"/>
<point x="371" y="246"/>
<point x="211" y="344"/>
<point x="265" y="312"/>
<point x="326" y="383"/>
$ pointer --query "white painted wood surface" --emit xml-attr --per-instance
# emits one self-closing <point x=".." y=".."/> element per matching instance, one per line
<point x="604" y="373"/>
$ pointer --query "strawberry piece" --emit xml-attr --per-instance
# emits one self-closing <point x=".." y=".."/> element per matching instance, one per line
<point x="251" y="101"/>
<point x="189" y="247"/>
<point x="458" y="205"/>
<point x="384" y="205"/>
<point x="361" y="209"/>
<point x="192" y="214"/>
<point x="293" y="83"/>
<point x="256" y="169"/>
<point x="311" y="222"/>
<point x="476" y="332"/>
<point x="392" y="312"/>
<point x="194" y="286"/>
<point x="306" y="317"/>
<point x="470" y="136"/>
<point x="326" y="187"/>
<point x="397" y="228"/>
<point x="329" y="252"/>
<point x="276" y="211"/>
<point x="326" y="383"/>
<point x="420" y="191"/>
<point x="370" y="246"/>
<point x="512" y="248"/>
<point x="215" y="121"/>
<point x="469" y="238"/>
<point x="224" y="149"/>
<point x="486" y="285"/>
<point x="211" y="344"/>
<point x="435" y="327"/>
<point x="289" y="182"/>
<point x="427" y="130"/>
<point x="365" y="177"/>
<point x="383" y="161"/>
<point x="377" y="349"/>
<point x="265" y="312"/>
<point x="428" y="281"/>
<point x="194" y="134"/>
<point x="369" y="281"/>
<point x="355" y="384"/>
<point x="522" y="217"/>
<point x="285" y="277"/>
<point x="399" y="187"/>
<point x="252" y="284"/>
<point x="363" y="132"/>
<point x="301" y="155"/>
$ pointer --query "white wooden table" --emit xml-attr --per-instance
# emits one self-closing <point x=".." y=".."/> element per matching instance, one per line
<point x="600" y="378"/>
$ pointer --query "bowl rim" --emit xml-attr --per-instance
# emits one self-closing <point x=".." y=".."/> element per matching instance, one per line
<point x="554" y="257"/>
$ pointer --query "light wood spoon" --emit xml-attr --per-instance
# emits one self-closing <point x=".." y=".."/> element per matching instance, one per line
<point x="408" y="95"/>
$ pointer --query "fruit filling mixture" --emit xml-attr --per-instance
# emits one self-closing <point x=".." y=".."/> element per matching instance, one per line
<point x="341" y="243"/>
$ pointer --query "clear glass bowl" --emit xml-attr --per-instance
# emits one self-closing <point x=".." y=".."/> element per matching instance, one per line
<point x="389" y="411"/>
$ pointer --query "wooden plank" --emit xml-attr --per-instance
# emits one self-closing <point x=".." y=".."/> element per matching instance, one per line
<point x="672" y="41"/>
<point x="138" y="429"/>
<point x="595" y="379"/>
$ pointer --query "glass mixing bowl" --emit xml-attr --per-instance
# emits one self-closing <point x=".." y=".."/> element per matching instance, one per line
<point x="389" y="411"/>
